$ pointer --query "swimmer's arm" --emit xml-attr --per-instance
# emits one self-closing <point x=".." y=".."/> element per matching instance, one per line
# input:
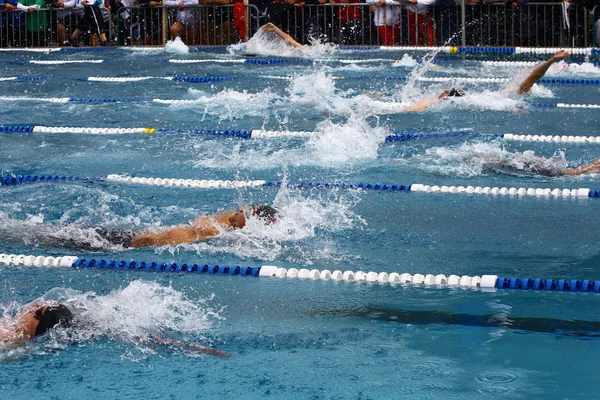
<point x="421" y="105"/>
<point x="540" y="71"/>
<point x="178" y="235"/>
<point x="192" y="347"/>
<point x="287" y="38"/>
<point x="590" y="168"/>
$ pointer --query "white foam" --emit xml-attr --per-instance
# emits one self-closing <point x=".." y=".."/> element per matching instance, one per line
<point x="300" y="234"/>
<point x="476" y="159"/>
<point x="176" y="46"/>
<point x="406" y="61"/>
<point x="269" y="44"/>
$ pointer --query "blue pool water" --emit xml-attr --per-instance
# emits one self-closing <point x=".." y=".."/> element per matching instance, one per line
<point x="298" y="338"/>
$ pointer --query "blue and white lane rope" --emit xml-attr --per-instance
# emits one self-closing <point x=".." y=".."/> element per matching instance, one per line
<point x="550" y="81"/>
<point x="273" y="61"/>
<point x="484" y="282"/>
<point x="192" y="79"/>
<point x="207" y="79"/>
<point x="63" y="100"/>
<point x="12" y="180"/>
<point x="407" y="136"/>
<point x="244" y="134"/>
<point x="264" y="134"/>
<point x="23" y="78"/>
<point x="446" y="49"/>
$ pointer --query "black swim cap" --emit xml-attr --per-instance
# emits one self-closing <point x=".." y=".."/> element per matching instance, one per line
<point x="52" y="316"/>
<point x="456" y="92"/>
<point x="266" y="212"/>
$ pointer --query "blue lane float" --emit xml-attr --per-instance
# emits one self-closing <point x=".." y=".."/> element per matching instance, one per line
<point x="483" y="282"/>
<point x="406" y="136"/>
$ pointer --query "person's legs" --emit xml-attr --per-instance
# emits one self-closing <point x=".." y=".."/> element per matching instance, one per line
<point x="388" y="35"/>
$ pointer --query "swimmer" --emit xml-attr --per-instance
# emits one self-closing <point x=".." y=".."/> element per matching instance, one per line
<point x="34" y="321"/>
<point x="269" y="27"/>
<point x="37" y="319"/>
<point x="526" y="161"/>
<point x="204" y="227"/>
<point x="524" y="87"/>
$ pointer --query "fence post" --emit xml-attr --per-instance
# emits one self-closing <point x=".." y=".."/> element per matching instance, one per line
<point x="463" y="22"/>
<point x="165" y="26"/>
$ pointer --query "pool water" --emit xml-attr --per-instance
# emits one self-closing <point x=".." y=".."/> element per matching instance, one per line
<point x="301" y="338"/>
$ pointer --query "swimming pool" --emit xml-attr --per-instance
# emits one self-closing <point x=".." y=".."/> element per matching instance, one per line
<point x="301" y="338"/>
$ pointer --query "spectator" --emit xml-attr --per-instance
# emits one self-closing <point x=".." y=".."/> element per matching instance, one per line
<point x="421" y="26"/>
<point x="35" y="22"/>
<point x="92" y="19"/>
<point x="150" y="22"/>
<point x="185" y="20"/>
<point x="218" y="24"/>
<point x="12" y="25"/>
<point x="67" y="16"/>
<point x="387" y="20"/>
<point x="282" y="14"/>
<point x="349" y="19"/>
<point x="127" y="20"/>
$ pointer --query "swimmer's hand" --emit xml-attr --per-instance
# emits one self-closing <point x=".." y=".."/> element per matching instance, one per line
<point x="268" y="27"/>
<point x="209" y="350"/>
<point x="560" y="54"/>
<point x="191" y="347"/>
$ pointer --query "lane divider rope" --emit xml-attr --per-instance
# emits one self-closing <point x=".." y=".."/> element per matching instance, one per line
<point x="206" y="79"/>
<point x="181" y="101"/>
<point x="446" y="49"/>
<point x="12" y="180"/>
<point x="193" y="79"/>
<point x="277" y="61"/>
<point x="484" y="282"/>
<point x="264" y="134"/>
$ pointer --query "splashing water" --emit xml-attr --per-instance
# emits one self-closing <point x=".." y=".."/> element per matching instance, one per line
<point x="269" y="44"/>
<point x="405" y="61"/>
<point x="469" y="160"/>
<point x="338" y="146"/>
<point x="141" y="309"/>
<point x="176" y="46"/>
<point x="300" y="233"/>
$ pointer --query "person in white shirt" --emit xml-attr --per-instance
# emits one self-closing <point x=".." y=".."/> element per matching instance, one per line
<point x="185" y="19"/>
<point x="387" y="20"/>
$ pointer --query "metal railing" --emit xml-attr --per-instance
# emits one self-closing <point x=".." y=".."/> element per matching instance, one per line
<point x="497" y="24"/>
<point x="46" y="27"/>
<point x="197" y="25"/>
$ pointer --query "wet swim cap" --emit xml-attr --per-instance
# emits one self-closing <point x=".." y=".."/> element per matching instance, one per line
<point x="52" y="316"/>
<point x="456" y="92"/>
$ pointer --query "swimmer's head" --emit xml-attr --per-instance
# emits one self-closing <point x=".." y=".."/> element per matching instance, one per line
<point x="50" y="316"/>
<point x="266" y="213"/>
<point x="454" y="92"/>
